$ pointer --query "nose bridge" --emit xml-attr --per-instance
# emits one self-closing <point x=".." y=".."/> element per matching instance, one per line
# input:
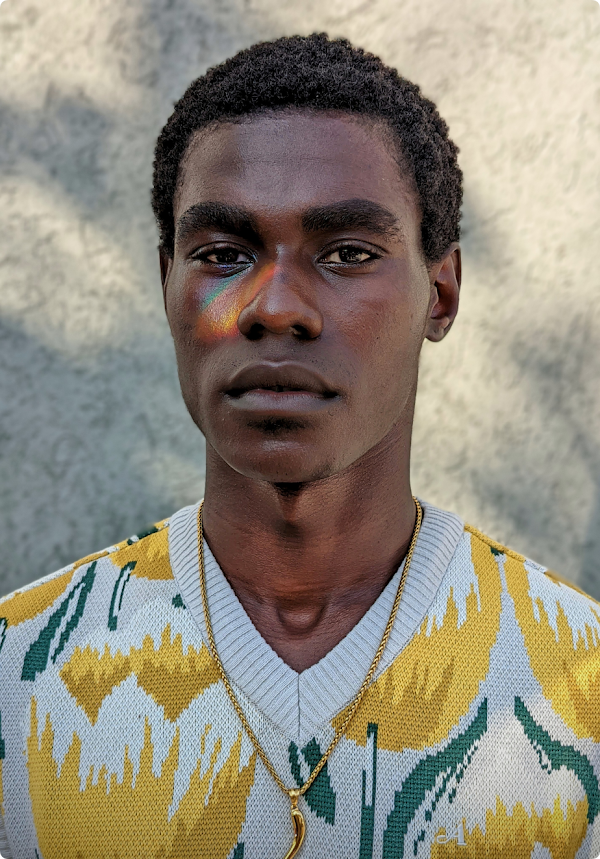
<point x="266" y="280"/>
<point x="278" y="301"/>
<point x="280" y="283"/>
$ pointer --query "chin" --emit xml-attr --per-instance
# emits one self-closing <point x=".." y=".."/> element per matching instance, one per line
<point x="282" y="462"/>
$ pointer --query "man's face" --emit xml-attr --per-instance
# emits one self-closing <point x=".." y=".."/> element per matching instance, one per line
<point x="297" y="296"/>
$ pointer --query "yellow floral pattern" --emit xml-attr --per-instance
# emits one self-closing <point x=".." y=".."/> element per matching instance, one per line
<point x="172" y="678"/>
<point x="28" y="604"/>
<point x="562" y="637"/>
<point x="111" y="819"/>
<point x="436" y="677"/>
<point x="150" y="554"/>
<point x="514" y="835"/>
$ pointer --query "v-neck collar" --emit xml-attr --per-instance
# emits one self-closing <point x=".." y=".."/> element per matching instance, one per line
<point x="300" y="704"/>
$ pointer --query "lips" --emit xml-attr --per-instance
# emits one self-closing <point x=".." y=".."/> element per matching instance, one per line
<point x="279" y="379"/>
<point x="279" y="389"/>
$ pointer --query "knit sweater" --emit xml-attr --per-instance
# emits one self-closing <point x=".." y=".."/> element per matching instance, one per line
<point x="479" y="735"/>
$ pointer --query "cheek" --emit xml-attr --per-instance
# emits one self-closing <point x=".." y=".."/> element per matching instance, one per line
<point x="217" y="312"/>
<point x="389" y="335"/>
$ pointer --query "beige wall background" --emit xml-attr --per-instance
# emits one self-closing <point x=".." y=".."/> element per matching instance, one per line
<point x="95" y="442"/>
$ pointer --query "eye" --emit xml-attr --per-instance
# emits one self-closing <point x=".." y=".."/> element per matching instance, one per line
<point x="222" y="256"/>
<point x="348" y="255"/>
<point x="225" y="256"/>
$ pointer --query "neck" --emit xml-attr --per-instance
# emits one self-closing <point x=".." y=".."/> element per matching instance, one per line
<point x="307" y="561"/>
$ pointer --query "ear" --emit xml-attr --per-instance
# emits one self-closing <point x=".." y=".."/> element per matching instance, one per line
<point x="444" y="277"/>
<point x="166" y="264"/>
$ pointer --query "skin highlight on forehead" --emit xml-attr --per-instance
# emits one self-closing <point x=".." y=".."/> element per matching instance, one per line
<point x="220" y="310"/>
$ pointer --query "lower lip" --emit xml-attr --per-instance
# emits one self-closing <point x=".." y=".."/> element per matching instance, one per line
<point x="280" y="402"/>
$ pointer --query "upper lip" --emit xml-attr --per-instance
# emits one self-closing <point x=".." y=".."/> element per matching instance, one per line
<point x="289" y="376"/>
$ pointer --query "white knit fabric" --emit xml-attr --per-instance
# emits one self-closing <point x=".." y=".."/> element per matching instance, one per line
<point x="479" y="735"/>
<point x="302" y="703"/>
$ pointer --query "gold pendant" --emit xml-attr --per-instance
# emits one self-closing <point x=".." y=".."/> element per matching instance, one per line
<point x="298" y="824"/>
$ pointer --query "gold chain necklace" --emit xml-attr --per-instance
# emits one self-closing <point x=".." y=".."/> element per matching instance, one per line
<point x="298" y="823"/>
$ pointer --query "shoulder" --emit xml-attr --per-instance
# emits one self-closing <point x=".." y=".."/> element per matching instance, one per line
<point x="560" y="629"/>
<point x="144" y="555"/>
<point x="522" y="572"/>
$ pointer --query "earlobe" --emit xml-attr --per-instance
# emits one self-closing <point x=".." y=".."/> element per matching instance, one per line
<point x="445" y="278"/>
<point x="438" y="329"/>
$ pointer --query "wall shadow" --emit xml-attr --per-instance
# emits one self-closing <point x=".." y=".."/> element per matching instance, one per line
<point x="95" y="442"/>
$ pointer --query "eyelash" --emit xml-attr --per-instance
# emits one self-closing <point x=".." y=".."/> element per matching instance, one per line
<point x="202" y="255"/>
<point x="372" y="255"/>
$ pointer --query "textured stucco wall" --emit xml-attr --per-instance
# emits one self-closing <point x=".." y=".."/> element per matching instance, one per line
<point x="94" y="439"/>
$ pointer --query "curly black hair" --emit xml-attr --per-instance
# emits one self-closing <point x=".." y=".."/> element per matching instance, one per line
<point x="318" y="73"/>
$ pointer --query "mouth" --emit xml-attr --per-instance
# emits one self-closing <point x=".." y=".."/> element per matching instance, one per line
<point x="279" y="388"/>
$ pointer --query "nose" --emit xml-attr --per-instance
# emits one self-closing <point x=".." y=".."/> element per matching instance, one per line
<point x="280" y="305"/>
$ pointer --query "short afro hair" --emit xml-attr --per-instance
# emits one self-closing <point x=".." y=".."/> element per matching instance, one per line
<point x="316" y="73"/>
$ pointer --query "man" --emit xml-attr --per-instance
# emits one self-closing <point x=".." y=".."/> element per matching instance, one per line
<point x="337" y="670"/>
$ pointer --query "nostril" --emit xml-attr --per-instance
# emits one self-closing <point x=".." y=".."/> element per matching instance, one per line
<point x="256" y="331"/>
<point x="301" y="332"/>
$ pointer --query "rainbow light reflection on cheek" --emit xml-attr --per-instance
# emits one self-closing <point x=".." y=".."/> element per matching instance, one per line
<point x="220" y="310"/>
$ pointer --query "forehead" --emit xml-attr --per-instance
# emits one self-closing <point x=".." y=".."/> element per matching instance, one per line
<point x="292" y="161"/>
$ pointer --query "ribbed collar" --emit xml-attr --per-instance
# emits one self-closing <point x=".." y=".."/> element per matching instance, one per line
<point x="302" y="703"/>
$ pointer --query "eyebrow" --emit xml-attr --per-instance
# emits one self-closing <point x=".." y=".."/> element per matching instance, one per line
<point x="352" y="214"/>
<point x="217" y="216"/>
<point x="334" y="217"/>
